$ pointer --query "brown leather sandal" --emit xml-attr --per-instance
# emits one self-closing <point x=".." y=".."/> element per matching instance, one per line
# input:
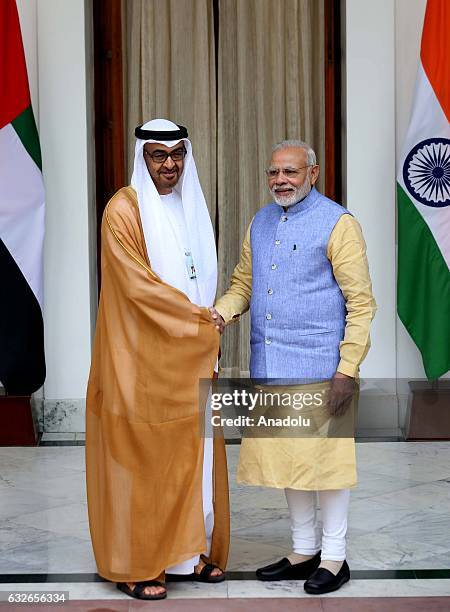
<point x="139" y="588"/>
<point x="205" y="574"/>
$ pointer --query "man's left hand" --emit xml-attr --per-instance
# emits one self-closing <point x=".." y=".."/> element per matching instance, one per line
<point x="341" y="392"/>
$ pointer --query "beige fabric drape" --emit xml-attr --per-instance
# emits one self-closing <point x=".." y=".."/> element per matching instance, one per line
<point x="170" y="73"/>
<point x="270" y="87"/>
<point x="144" y="450"/>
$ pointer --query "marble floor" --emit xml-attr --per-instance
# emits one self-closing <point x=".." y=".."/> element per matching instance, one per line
<point x="399" y="520"/>
<point x="399" y="513"/>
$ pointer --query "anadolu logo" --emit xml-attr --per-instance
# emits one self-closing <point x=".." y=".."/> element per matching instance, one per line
<point x="426" y="172"/>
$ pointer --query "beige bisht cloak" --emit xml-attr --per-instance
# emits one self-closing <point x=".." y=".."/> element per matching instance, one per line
<point x="144" y="451"/>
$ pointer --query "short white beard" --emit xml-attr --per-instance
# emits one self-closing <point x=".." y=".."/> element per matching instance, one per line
<point x="294" y="196"/>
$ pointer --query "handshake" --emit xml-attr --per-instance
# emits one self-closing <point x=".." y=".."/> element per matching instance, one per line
<point x="217" y="319"/>
<point x="342" y="387"/>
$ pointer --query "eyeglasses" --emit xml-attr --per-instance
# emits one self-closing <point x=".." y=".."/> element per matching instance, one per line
<point x="160" y="157"/>
<point x="288" y="172"/>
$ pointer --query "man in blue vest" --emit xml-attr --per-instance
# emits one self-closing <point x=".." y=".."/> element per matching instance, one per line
<point x="303" y="273"/>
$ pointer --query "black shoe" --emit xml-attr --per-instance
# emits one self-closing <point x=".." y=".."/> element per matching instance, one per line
<point x="324" y="581"/>
<point x="285" y="570"/>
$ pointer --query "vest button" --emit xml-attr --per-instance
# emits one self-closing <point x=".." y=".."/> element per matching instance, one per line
<point x="274" y="266"/>
<point x="270" y="291"/>
<point x="268" y="341"/>
<point x="277" y="242"/>
<point x="268" y="316"/>
<point x="284" y="218"/>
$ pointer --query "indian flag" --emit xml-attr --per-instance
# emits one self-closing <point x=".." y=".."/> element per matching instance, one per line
<point x="22" y="364"/>
<point x="423" y="200"/>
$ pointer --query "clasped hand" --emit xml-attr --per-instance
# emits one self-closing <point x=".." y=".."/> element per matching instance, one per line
<point x="342" y="386"/>
<point x="217" y="319"/>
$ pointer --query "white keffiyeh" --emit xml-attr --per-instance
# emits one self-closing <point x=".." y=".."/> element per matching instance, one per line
<point x="165" y="252"/>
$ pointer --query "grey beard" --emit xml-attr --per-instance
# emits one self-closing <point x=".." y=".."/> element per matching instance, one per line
<point x="294" y="197"/>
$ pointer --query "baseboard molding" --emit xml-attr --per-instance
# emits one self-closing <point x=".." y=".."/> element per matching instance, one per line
<point x="61" y="416"/>
<point x="381" y="412"/>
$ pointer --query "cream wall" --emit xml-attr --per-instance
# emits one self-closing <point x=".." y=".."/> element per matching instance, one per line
<point x="381" y="66"/>
<point x="370" y="142"/>
<point x="55" y="44"/>
<point x="382" y="44"/>
<point x="370" y="165"/>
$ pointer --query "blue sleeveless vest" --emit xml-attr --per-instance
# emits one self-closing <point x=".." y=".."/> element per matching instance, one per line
<point x="297" y="308"/>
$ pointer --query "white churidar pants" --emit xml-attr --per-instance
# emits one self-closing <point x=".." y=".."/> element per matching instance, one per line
<point x="305" y="529"/>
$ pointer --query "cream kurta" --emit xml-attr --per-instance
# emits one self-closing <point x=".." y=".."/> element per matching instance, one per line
<point x="144" y="451"/>
<point x="307" y="463"/>
<point x="311" y="463"/>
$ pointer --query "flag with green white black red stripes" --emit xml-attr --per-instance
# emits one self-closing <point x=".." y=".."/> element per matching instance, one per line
<point x="22" y="362"/>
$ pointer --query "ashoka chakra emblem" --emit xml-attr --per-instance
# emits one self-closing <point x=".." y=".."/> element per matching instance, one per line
<point x="426" y="172"/>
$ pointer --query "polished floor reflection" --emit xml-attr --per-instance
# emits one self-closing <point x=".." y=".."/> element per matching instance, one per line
<point x="399" y="513"/>
<point x="399" y="519"/>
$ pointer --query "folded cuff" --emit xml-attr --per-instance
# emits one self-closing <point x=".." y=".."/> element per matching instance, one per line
<point x="229" y="316"/>
<point x="348" y="368"/>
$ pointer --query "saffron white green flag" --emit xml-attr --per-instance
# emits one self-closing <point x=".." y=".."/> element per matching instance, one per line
<point x="423" y="200"/>
<point x="22" y="363"/>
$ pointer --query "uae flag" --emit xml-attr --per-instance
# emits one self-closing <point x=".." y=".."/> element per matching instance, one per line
<point x="22" y="363"/>
<point x="423" y="200"/>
